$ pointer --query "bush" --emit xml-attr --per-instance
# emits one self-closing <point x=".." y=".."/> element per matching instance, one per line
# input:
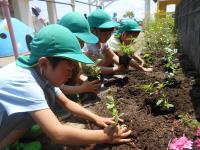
<point x="160" y="34"/>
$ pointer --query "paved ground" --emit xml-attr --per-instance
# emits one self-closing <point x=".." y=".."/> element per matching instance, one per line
<point x="6" y="60"/>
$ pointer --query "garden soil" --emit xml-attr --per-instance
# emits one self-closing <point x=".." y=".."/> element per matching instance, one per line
<point x="150" y="130"/>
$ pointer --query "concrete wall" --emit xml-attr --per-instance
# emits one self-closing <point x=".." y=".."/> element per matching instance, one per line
<point x="188" y="26"/>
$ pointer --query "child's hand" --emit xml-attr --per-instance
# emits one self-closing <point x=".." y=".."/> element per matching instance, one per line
<point x="148" y="69"/>
<point x="104" y="122"/>
<point x="118" y="135"/>
<point x="92" y="86"/>
<point x="120" y="68"/>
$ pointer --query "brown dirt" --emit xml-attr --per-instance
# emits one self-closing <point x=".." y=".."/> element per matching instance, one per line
<point x="151" y="131"/>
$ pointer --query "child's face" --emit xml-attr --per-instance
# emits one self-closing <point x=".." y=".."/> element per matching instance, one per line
<point x="128" y="37"/>
<point x="103" y="34"/>
<point x="81" y="42"/>
<point x="59" y="75"/>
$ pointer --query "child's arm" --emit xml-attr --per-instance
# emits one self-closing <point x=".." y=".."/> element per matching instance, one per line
<point x="138" y="59"/>
<point x="86" y="86"/>
<point x="133" y="64"/>
<point x="112" y="70"/>
<point x="63" y="134"/>
<point x="77" y="109"/>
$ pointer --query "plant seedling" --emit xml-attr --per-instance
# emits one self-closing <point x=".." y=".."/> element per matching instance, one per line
<point x="153" y="88"/>
<point x="95" y="71"/>
<point x="148" y="58"/>
<point x="163" y="102"/>
<point x="127" y="49"/>
<point x="112" y="108"/>
<point x="186" y="120"/>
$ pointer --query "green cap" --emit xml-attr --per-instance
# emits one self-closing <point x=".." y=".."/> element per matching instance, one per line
<point x="128" y="25"/>
<point x="78" y="25"/>
<point x="101" y="19"/>
<point x="53" y="41"/>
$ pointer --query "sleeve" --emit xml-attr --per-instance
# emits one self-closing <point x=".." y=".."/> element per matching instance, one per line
<point x="22" y="97"/>
<point x="57" y="91"/>
<point x="114" y="44"/>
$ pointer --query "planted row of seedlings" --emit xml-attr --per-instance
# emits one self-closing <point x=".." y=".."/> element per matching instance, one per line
<point x="161" y="104"/>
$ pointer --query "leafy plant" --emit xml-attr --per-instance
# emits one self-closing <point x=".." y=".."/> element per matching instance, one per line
<point x="112" y="107"/>
<point x="169" y="59"/>
<point x="153" y="88"/>
<point x="171" y="67"/>
<point x="159" y="34"/>
<point x="148" y="58"/>
<point x="148" y="88"/>
<point x="95" y="71"/>
<point x="163" y="102"/>
<point x="127" y="49"/>
<point x="170" y="80"/>
<point x="186" y="120"/>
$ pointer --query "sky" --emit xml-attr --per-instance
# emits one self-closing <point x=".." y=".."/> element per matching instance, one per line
<point x="119" y="6"/>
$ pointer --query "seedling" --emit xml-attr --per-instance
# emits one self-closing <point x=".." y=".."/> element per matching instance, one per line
<point x="127" y="49"/>
<point x="170" y="81"/>
<point x="186" y="120"/>
<point x="112" y="108"/>
<point x="171" y="67"/>
<point x="153" y="88"/>
<point x="95" y="71"/>
<point x="148" y="57"/>
<point x="149" y="88"/>
<point x="163" y="102"/>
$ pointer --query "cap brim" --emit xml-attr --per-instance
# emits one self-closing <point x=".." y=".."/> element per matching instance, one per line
<point x="136" y="30"/>
<point x="87" y="37"/>
<point x="25" y="62"/>
<point x="110" y="24"/>
<point x="76" y="57"/>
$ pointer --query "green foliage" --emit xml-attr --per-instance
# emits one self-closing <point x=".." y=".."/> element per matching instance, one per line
<point x="159" y="34"/>
<point x="127" y="49"/>
<point x="163" y="102"/>
<point x="112" y="107"/>
<point x="129" y="14"/>
<point x="171" y="67"/>
<point x="148" y="58"/>
<point x="95" y="71"/>
<point x="186" y="120"/>
<point x="169" y="59"/>
<point x="153" y="88"/>
<point x="170" y="80"/>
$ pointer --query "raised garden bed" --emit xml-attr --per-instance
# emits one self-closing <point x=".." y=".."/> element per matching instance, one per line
<point x="152" y="129"/>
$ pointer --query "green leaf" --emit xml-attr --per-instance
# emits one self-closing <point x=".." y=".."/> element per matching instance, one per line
<point x="170" y="105"/>
<point x="159" y="102"/>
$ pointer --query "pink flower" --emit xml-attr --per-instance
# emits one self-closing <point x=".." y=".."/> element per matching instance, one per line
<point x="197" y="142"/>
<point x="198" y="132"/>
<point x="180" y="143"/>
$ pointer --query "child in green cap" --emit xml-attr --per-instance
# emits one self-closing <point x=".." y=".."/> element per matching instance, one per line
<point x="79" y="26"/>
<point x="127" y="32"/>
<point x="103" y="26"/>
<point x="29" y="89"/>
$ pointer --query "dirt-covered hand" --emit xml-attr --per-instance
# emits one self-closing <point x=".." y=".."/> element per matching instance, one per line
<point x="91" y="86"/>
<point x="117" y="134"/>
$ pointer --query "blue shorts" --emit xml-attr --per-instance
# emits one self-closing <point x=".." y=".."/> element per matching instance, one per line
<point x="17" y="121"/>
